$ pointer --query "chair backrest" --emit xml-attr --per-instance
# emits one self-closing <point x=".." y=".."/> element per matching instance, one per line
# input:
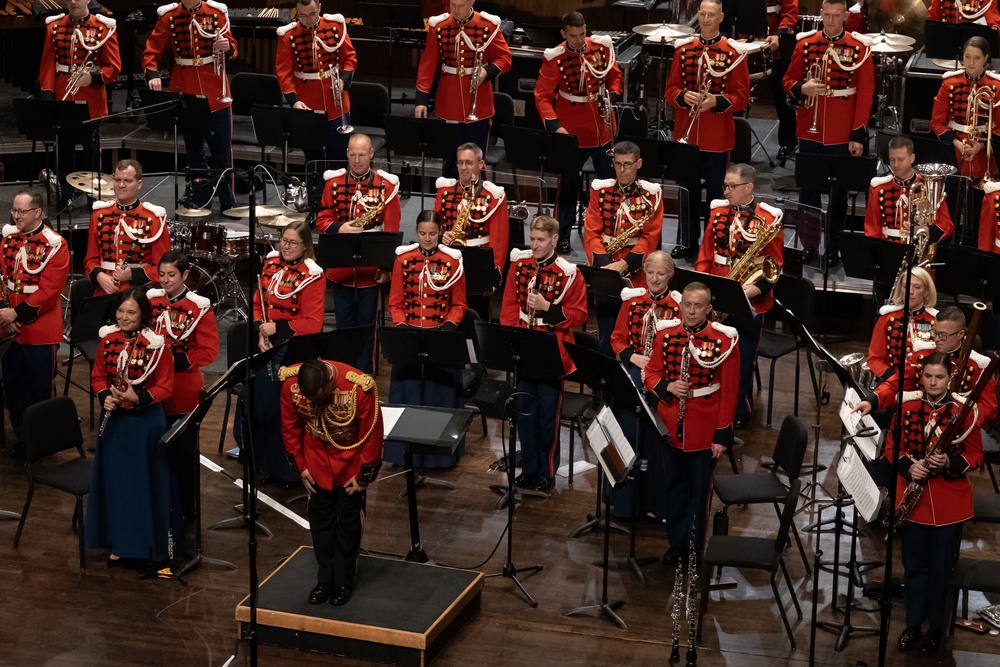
<point x="587" y="340"/>
<point x="797" y="295"/>
<point x="787" y="515"/>
<point x="51" y="426"/>
<point x="236" y="343"/>
<point x="790" y="448"/>
<point x="79" y="290"/>
<point x="250" y="88"/>
<point x="94" y="313"/>
<point x="369" y="103"/>
<point x="503" y="115"/>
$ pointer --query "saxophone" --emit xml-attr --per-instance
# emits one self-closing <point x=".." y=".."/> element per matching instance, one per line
<point x="365" y="218"/>
<point x="618" y="243"/>
<point x="462" y="219"/>
<point x="7" y="303"/>
<point x="685" y="377"/>
<point x="745" y="270"/>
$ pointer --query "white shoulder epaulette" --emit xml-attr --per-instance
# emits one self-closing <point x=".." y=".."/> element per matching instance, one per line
<point x="443" y="182"/>
<point x="773" y="210"/>
<point x="803" y="35"/>
<point x="403" y="249"/>
<point x="864" y="39"/>
<point x="392" y="178"/>
<point x="516" y="254"/>
<point x="921" y="345"/>
<point x="156" y="293"/>
<point x="719" y="203"/>
<point x="603" y="40"/>
<point x="492" y="18"/>
<point x="53" y="19"/>
<point x="601" y="183"/>
<point x="568" y="267"/>
<point x="683" y="42"/>
<point x="338" y="17"/>
<point x="107" y="330"/>
<point x="651" y="188"/>
<point x="217" y="5"/>
<point x="158" y="211"/>
<point x="554" y="52"/>
<point x="931" y="311"/>
<point x="283" y="30"/>
<point x="202" y="302"/>
<point x="272" y="254"/>
<point x="333" y="173"/>
<point x="991" y="187"/>
<point x="881" y="180"/>
<point x="106" y="20"/>
<point x="737" y="46"/>
<point x="99" y="204"/>
<point x="314" y="268"/>
<point x="632" y="292"/>
<point x="981" y="360"/>
<point x="55" y="240"/>
<point x="451" y="252"/>
<point x="951" y="73"/>
<point x="495" y="190"/>
<point x="855" y="8"/>
<point x="434" y="20"/>
<point x="888" y="308"/>
<point x="676" y="296"/>
<point x="666" y="324"/>
<point x="913" y="395"/>
<point x="993" y="75"/>
<point x="724" y="329"/>
<point x="9" y="229"/>
<point x="166" y="9"/>
<point x="155" y="339"/>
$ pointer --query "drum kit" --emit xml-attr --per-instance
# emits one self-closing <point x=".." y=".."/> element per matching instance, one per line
<point x="92" y="183"/>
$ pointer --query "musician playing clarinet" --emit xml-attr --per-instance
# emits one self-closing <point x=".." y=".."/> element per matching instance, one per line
<point x="933" y="531"/>
<point x="709" y="82"/>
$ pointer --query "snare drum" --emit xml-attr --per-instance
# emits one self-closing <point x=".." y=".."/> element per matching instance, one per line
<point x="237" y="244"/>
<point x="180" y="235"/>
<point x="758" y="60"/>
<point x="208" y="240"/>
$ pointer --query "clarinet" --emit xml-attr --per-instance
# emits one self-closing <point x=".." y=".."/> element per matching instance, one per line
<point x="675" y="616"/>
<point x="121" y="384"/>
<point x="692" y="611"/>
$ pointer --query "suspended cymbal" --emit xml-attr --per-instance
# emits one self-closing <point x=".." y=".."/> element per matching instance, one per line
<point x="947" y="64"/>
<point x="244" y="212"/>
<point x="885" y="47"/>
<point x="668" y="31"/>
<point x="91" y="182"/>
<point x="185" y="212"/>
<point x="283" y="220"/>
<point x="887" y="38"/>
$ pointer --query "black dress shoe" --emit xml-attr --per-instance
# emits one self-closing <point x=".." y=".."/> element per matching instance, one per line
<point x="115" y="562"/>
<point x="931" y="643"/>
<point x="525" y="480"/>
<point x="741" y="422"/>
<point x="341" y="595"/>
<point x="832" y="259"/>
<point x="545" y="484"/>
<point x="564" y="247"/>
<point x="909" y="639"/>
<point x="680" y="251"/>
<point x="320" y="594"/>
<point x="786" y="152"/>
<point x="672" y="556"/>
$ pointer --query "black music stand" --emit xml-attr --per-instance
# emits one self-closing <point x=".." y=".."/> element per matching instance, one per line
<point x="393" y="17"/>
<point x="873" y="259"/>
<point x="541" y="151"/>
<point x="412" y="346"/>
<point x="533" y="354"/>
<point x="343" y="345"/>
<point x="672" y="161"/>
<point x="945" y="40"/>
<point x="602" y="283"/>
<point x="287" y="127"/>
<point x="481" y="276"/>
<point x="426" y="137"/>
<point x="979" y="276"/>
<point x="191" y="112"/>
<point x="744" y="17"/>
<point x="727" y="294"/>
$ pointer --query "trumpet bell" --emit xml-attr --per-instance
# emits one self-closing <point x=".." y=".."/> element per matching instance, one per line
<point x="345" y="129"/>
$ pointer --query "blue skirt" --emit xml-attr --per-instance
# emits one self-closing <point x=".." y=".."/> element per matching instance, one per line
<point x="270" y="456"/>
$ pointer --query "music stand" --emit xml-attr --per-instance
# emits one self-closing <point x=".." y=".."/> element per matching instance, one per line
<point x="541" y="151"/>
<point x="744" y="17"/>
<point x="480" y="275"/>
<point x="343" y="345"/>
<point x="945" y="40"/>
<point x="288" y="128"/>
<point x="188" y="111"/>
<point x="602" y="283"/>
<point x="870" y="258"/>
<point x="535" y="355"/>
<point x="412" y="346"/>
<point x="980" y="274"/>
<point x="394" y="17"/>
<point x="426" y="137"/>
<point x="727" y="294"/>
<point x="671" y="161"/>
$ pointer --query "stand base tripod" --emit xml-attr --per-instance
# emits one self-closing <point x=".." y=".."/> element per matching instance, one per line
<point x="505" y="493"/>
<point x="604" y="609"/>
<point x="630" y="562"/>
<point x="595" y="522"/>
<point x="241" y="521"/>
<point x="424" y="480"/>
<point x="511" y="572"/>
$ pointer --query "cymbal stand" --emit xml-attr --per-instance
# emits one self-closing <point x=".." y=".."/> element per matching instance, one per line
<point x="661" y="82"/>
<point x="746" y="116"/>
<point x="887" y="96"/>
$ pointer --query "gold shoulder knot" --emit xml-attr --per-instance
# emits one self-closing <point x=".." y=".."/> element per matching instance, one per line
<point x="366" y="382"/>
<point x="286" y="372"/>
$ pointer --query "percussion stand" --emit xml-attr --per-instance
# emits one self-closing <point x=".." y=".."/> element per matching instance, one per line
<point x="426" y="137"/>
<point x="749" y="17"/>
<point x="661" y="83"/>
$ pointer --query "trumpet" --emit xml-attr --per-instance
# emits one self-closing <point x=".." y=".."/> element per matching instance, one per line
<point x="818" y="71"/>
<point x="337" y="88"/>
<point x="220" y="69"/>
<point x="533" y="289"/>
<point x="73" y="85"/>
<point x="474" y="81"/>
<point x="704" y="83"/>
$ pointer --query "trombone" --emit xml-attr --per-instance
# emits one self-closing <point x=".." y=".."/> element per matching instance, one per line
<point x="982" y="99"/>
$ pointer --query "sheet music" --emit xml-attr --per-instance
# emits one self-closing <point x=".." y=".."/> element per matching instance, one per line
<point x="855" y="423"/>
<point x="605" y="431"/>
<point x="858" y="483"/>
<point x="389" y="417"/>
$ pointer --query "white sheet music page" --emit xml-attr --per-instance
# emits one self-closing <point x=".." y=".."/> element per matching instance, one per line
<point x="857" y="482"/>
<point x="855" y="423"/>
<point x="389" y="417"/>
<point x="605" y="430"/>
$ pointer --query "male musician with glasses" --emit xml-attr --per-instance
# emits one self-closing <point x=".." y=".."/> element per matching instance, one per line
<point x="734" y="225"/>
<point x="976" y="11"/>
<point x="127" y="237"/>
<point x="311" y="50"/>
<point x="197" y="34"/>
<point x="34" y="267"/>
<point x="709" y="82"/>
<point x="82" y="48"/>
<point x="832" y="78"/>
<point x="627" y="212"/>
<point x="356" y="200"/>
<point x="578" y="84"/>
<point x="456" y="44"/>
<point x="694" y="372"/>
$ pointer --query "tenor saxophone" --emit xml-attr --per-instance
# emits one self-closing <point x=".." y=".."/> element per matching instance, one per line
<point x="618" y="243"/>
<point x="745" y="270"/>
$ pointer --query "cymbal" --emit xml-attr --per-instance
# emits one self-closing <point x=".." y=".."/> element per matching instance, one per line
<point x="91" y="182"/>
<point x="244" y="212"/>
<point x="886" y="47"/>
<point x="947" y="64"/>
<point x="891" y="38"/>
<point x="283" y="220"/>
<point x="193" y="212"/>
<point x="668" y="31"/>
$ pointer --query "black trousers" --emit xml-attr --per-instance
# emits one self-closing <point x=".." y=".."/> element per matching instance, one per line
<point x="929" y="554"/>
<point x="336" y="521"/>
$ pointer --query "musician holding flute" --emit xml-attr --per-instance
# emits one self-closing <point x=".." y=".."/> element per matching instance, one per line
<point x="79" y="58"/>
<point x="578" y="84"/>
<point x="709" y="82"/>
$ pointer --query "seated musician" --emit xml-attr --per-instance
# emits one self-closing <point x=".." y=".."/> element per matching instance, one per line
<point x="543" y="292"/>
<point x="428" y="292"/>
<point x="887" y="341"/>
<point x="890" y="213"/>
<point x="127" y="237"/>
<point x="732" y="247"/>
<point x="356" y="200"/>
<point x="694" y="371"/>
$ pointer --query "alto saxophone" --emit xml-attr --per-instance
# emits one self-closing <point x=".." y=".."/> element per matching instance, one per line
<point x="685" y="377"/>
<point x="458" y="228"/>
<point x="369" y="215"/>
<point x="618" y="243"/>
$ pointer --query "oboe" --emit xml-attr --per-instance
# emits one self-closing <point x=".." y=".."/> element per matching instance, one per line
<point x="692" y="611"/>
<point x="675" y="616"/>
<point x="682" y="400"/>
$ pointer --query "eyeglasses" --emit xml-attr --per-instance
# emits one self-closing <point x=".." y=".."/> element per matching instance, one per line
<point x="17" y="211"/>
<point x="289" y="243"/>
<point x="624" y="165"/>
<point x="467" y="163"/>
<point x="732" y="186"/>
<point x="944" y="335"/>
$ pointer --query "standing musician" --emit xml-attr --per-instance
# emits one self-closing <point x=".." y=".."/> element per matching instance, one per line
<point x="34" y="267"/>
<point x="889" y="214"/>
<point x="709" y="82"/>
<point x="832" y="77"/>
<point x="79" y="58"/>
<point x="186" y="320"/>
<point x="974" y="11"/>
<point x="989" y="218"/>
<point x="469" y="51"/>
<point x="694" y="372"/>
<point x="196" y="32"/>
<point x="887" y="342"/>
<point x="331" y="426"/>
<point x="129" y="507"/>
<point x="933" y="531"/>
<point x="745" y="241"/>
<point x="428" y="292"/>
<point x="782" y="17"/>
<point x="623" y="223"/>
<point x="578" y="84"/>
<point x="632" y="342"/>
<point x="127" y="237"/>
<point x="315" y="64"/>
<point x="543" y="292"/>
<point x="356" y="200"/>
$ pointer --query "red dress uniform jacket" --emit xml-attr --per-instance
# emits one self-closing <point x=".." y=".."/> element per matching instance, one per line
<point x="887" y="337"/>
<point x="724" y="62"/>
<point x="345" y="435"/>
<point x="428" y="289"/>
<point x="983" y="12"/>
<point x="989" y="219"/>
<point x="69" y="44"/>
<point x="637" y="320"/>
<point x="947" y="498"/>
<point x="948" y="115"/>
<point x="145" y="355"/>
<point x="488" y="225"/>
<point x="349" y="199"/>
<point x="192" y="48"/>
<point x="304" y="61"/>
<point x="714" y="371"/>
<point x="293" y="296"/>
<point x="781" y="15"/>
<point x="567" y="93"/>
<point x="885" y="393"/>
<point x="850" y="83"/>
<point x="561" y="285"/>
<point x="889" y="208"/>
<point x="730" y="233"/>
<point x="613" y="210"/>
<point x="135" y="235"/>
<point x="188" y="324"/>
<point x="35" y="268"/>
<point x="451" y="49"/>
